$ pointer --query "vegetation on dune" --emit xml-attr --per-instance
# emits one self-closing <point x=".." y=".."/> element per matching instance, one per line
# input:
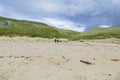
<point x="99" y="33"/>
<point x="34" y="29"/>
<point x="29" y="31"/>
<point x="37" y="29"/>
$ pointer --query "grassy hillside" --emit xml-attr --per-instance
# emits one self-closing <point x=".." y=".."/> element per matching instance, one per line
<point x="99" y="33"/>
<point x="34" y="29"/>
<point x="37" y="29"/>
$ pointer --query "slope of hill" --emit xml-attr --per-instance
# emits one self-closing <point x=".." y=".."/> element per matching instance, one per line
<point x="33" y="29"/>
<point x="37" y="29"/>
<point x="99" y="33"/>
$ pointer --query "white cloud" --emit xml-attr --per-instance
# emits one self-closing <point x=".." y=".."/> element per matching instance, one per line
<point x="70" y="8"/>
<point x="47" y="6"/>
<point x="64" y="24"/>
<point x="7" y="11"/>
<point x="105" y="26"/>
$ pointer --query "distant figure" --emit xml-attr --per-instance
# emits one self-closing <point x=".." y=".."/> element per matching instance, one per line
<point x="56" y="40"/>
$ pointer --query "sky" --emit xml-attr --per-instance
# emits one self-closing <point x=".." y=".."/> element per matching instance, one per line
<point x="78" y="15"/>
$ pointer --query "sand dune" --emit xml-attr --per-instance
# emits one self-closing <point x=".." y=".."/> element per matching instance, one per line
<point x="39" y="59"/>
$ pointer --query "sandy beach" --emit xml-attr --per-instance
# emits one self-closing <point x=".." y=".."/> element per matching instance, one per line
<point x="42" y="59"/>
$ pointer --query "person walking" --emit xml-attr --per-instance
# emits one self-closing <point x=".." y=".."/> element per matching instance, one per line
<point x="55" y="40"/>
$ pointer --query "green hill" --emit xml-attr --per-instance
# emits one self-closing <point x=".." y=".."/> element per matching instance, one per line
<point x="37" y="29"/>
<point x="33" y="29"/>
<point x="99" y="33"/>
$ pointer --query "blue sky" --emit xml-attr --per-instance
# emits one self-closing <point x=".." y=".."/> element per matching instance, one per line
<point x="78" y="15"/>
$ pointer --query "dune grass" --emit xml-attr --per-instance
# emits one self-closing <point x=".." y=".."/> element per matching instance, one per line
<point x="99" y="33"/>
<point x="37" y="29"/>
<point x="34" y="29"/>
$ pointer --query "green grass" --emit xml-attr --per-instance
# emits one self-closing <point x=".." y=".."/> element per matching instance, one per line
<point x="34" y="29"/>
<point x="99" y="33"/>
<point x="37" y="29"/>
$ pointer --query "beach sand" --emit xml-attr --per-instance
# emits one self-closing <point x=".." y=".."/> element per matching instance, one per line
<point x="23" y="58"/>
